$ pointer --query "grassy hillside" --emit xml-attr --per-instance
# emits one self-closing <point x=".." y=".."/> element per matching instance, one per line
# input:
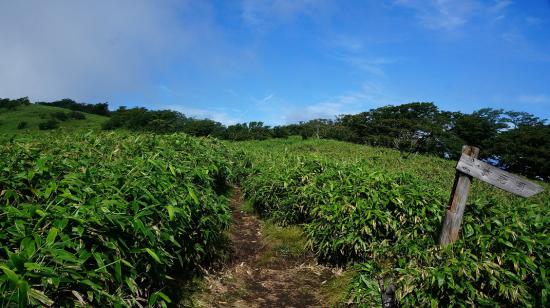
<point x="438" y="171"/>
<point x="35" y="114"/>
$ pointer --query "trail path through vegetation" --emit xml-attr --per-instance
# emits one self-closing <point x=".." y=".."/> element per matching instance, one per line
<point x="254" y="277"/>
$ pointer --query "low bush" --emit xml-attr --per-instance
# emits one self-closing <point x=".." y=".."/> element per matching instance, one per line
<point x="77" y="115"/>
<point x="48" y="124"/>
<point x="59" y="115"/>
<point x="22" y="125"/>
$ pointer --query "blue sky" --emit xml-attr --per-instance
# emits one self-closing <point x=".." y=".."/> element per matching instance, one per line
<point x="279" y="61"/>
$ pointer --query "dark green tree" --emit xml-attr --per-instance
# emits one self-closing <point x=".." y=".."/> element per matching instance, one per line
<point x="525" y="150"/>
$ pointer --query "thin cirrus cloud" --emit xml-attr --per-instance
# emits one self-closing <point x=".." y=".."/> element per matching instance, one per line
<point x="452" y="15"/>
<point x="373" y="66"/>
<point x="217" y="114"/>
<point x="534" y="99"/>
<point x="368" y="96"/>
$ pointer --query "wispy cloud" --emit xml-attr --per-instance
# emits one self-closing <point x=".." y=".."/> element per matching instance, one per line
<point x="218" y="115"/>
<point x="441" y="14"/>
<point x="369" y="96"/>
<point x="451" y="15"/>
<point x="346" y="42"/>
<point x="499" y="10"/>
<point x="263" y="100"/>
<point x="534" y="99"/>
<point x="261" y="14"/>
<point x="374" y="66"/>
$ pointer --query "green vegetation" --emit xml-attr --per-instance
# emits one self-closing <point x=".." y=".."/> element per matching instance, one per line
<point x="108" y="219"/>
<point x="99" y="109"/>
<point x="283" y="242"/>
<point x="33" y="115"/>
<point x="99" y="218"/>
<point x="169" y="121"/>
<point x="372" y="208"/>
<point x="515" y="141"/>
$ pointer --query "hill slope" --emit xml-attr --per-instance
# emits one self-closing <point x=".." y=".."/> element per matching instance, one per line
<point x="35" y="114"/>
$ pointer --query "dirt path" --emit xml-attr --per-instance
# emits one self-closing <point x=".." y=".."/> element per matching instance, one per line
<point x="249" y="281"/>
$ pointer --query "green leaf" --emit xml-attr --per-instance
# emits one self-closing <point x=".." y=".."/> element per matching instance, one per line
<point x="118" y="271"/>
<point x="170" y="211"/>
<point x="40" y="297"/>
<point x="153" y="254"/>
<point x="10" y="274"/>
<point x="193" y="195"/>
<point x="50" y="239"/>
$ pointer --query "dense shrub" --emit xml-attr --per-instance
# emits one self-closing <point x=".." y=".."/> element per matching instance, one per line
<point x="77" y="115"/>
<point x="49" y="124"/>
<point x="108" y="219"/>
<point x="22" y="125"/>
<point x="502" y="260"/>
<point x="356" y="209"/>
<point x="12" y="104"/>
<point x="60" y="116"/>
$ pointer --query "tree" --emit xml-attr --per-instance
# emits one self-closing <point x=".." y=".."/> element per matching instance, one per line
<point x="280" y="132"/>
<point x="525" y="150"/>
<point x="12" y="104"/>
<point x="422" y="121"/>
<point x="203" y="127"/>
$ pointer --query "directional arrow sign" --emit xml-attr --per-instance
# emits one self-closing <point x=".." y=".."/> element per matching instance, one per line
<point x="497" y="177"/>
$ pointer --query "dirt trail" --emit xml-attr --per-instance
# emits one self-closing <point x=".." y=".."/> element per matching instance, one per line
<point x="248" y="281"/>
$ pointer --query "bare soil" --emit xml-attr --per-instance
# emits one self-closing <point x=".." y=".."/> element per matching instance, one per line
<point x="248" y="280"/>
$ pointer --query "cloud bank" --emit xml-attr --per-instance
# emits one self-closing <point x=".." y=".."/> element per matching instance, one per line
<point x="93" y="50"/>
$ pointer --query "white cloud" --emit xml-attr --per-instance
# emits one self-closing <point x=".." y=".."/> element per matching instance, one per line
<point x="534" y="99"/>
<point x="99" y="49"/>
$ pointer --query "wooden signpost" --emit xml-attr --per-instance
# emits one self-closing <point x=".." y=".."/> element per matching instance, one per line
<point x="469" y="166"/>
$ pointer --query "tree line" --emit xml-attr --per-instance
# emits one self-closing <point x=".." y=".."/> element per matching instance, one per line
<point x="67" y="103"/>
<point x="515" y="141"/>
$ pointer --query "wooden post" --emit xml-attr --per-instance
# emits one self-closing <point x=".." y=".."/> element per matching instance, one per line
<point x="387" y="294"/>
<point x="457" y="203"/>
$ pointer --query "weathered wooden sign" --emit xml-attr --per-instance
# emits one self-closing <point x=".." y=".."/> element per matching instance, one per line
<point x="469" y="166"/>
<point x="496" y="177"/>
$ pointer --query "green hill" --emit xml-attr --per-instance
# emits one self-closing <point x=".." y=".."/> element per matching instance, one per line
<point x="35" y="114"/>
